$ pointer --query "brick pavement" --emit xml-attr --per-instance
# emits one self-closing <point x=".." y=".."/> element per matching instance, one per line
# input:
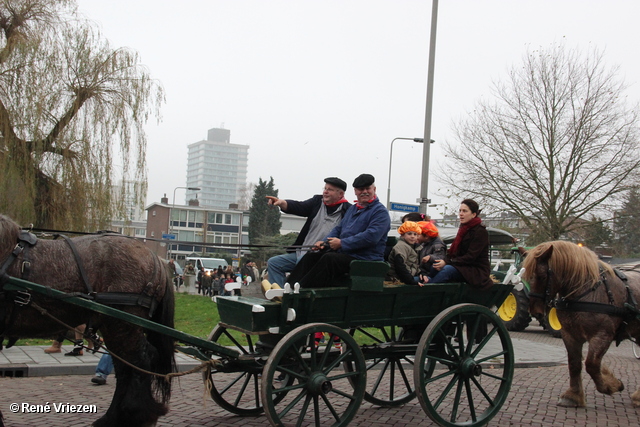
<point x="531" y="401"/>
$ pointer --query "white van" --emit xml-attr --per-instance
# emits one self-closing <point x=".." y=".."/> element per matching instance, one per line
<point x="208" y="264"/>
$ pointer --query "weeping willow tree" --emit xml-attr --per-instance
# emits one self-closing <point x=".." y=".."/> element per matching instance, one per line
<point x="71" y="108"/>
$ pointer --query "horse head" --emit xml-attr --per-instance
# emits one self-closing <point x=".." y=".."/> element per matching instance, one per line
<point x="9" y="232"/>
<point x="538" y="273"/>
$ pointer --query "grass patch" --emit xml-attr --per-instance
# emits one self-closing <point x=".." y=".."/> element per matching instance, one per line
<point x="194" y="315"/>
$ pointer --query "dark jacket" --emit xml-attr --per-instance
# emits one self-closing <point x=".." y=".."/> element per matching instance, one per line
<point x="436" y="249"/>
<point x="403" y="263"/>
<point x="310" y="209"/>
<point x="472" y="257"/>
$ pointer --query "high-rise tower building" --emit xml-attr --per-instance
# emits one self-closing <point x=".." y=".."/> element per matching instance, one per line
<point x="218" y="168"/>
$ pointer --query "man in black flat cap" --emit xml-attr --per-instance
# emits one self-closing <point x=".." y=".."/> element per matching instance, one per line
<point x="323" y="211"/>
<point x="362" y="234"/>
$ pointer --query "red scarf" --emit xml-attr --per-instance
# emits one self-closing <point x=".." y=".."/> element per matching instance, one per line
<point x="336" y="203"/>
<point x="359" y="206"/>
<point x="461" y="232"/>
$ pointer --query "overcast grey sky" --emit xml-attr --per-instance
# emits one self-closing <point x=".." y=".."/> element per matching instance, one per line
<point x="320" y="88"/>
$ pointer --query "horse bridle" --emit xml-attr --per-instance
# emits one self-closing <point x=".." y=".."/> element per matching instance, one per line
<point x="546" y="297"/>
<point x="630" y="308"/>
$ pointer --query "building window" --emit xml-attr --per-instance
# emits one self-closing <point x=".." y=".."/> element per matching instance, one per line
<point x="186" y="236"/>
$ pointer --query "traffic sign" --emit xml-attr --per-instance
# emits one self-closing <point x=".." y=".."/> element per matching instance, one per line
<point x="169" y="236"/>
<point x="404" y="207"/>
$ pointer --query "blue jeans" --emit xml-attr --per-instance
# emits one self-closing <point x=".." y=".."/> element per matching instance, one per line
<point x="448" y="274"/>
<point x="105" y="366"/>
<point x="278" y="265"/>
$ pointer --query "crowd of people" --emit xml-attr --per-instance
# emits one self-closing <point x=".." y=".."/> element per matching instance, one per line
<point x="210" y="283"/>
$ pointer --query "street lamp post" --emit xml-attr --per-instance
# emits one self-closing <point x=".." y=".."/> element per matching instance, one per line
<point x="173" y="205"/>
<point x="424" y="182"/>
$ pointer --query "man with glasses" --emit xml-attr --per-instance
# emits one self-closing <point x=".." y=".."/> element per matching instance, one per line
<point x="323" y="212"/>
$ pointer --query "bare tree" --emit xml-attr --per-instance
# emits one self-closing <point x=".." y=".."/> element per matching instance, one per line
<point x="556" y="142"/>
<point x="70" y="108"/>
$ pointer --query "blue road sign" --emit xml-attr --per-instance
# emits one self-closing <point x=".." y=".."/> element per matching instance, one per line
<point x="404" y="207"/>
<point x="169" y="236"/>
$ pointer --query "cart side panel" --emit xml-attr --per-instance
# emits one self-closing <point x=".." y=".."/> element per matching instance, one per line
<point x="421" y="304"/>
<point x="396" y="304"/>
<point x="249" y="313"/>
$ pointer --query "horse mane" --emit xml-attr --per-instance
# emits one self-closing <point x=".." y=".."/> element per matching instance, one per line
<point x="9" y="232"/>
<point x="574" y="267"/>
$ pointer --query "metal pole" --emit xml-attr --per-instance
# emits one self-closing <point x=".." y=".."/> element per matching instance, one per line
<point x="424" y="187"/>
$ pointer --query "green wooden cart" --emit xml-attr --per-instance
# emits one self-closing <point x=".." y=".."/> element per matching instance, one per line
<point x="386" y="344"/>
<point x="312" y="356"/>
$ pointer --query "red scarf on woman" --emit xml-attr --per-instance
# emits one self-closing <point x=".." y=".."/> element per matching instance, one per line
<point x="461" y="232"/>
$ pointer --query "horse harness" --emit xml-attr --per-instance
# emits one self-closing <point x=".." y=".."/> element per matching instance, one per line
<point x="11" y="302"/>
<point x="628" y="311"/>
<point x="16" y="299"/>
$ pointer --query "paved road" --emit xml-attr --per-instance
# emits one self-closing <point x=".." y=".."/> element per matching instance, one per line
<point x="540" y="377"/>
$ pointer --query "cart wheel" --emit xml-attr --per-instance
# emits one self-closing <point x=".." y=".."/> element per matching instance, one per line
<point x="389" y="364"/>
<point x="237" y="391"/>
<point x="636" y="349"/>
<point x="323" y="394"/>
<point x="464" y="389"/>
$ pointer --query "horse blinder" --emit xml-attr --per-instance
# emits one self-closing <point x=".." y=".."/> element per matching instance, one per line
<point x="546" y="297"/>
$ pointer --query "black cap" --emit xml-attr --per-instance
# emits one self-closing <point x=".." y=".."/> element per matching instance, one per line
<point x="336" y="182"/>
<point x="363" y="180"/>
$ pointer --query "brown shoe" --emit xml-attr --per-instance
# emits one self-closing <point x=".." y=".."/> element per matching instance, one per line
<point x="55" y="348"/>
<point x="77" y="351"/>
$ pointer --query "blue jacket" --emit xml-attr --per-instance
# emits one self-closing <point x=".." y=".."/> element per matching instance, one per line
<point x="363" y="232"/>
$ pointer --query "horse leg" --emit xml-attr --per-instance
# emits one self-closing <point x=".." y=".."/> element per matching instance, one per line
<point x="574" y="395"/>
<point x="133" y="402"/>
<point x="635" y="398"/>
<point x="604" y="380"/>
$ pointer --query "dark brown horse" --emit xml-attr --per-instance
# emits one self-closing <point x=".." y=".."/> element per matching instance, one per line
<point x="591" y="308"/>
<point x="112" y="264"/>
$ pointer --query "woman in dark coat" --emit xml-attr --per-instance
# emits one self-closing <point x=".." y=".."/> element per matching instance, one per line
<point x="468" y="257"/>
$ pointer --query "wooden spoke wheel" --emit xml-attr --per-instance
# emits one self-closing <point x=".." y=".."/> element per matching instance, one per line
<point x="321" y="392"/>
<point x="474" y="371"/>
<point x="237" y="389"/>
<point x="636" y="349"/>
<point x="389" y="364"/>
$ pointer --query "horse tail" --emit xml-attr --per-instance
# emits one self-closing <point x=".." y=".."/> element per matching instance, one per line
<point x="164" y="362"/>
